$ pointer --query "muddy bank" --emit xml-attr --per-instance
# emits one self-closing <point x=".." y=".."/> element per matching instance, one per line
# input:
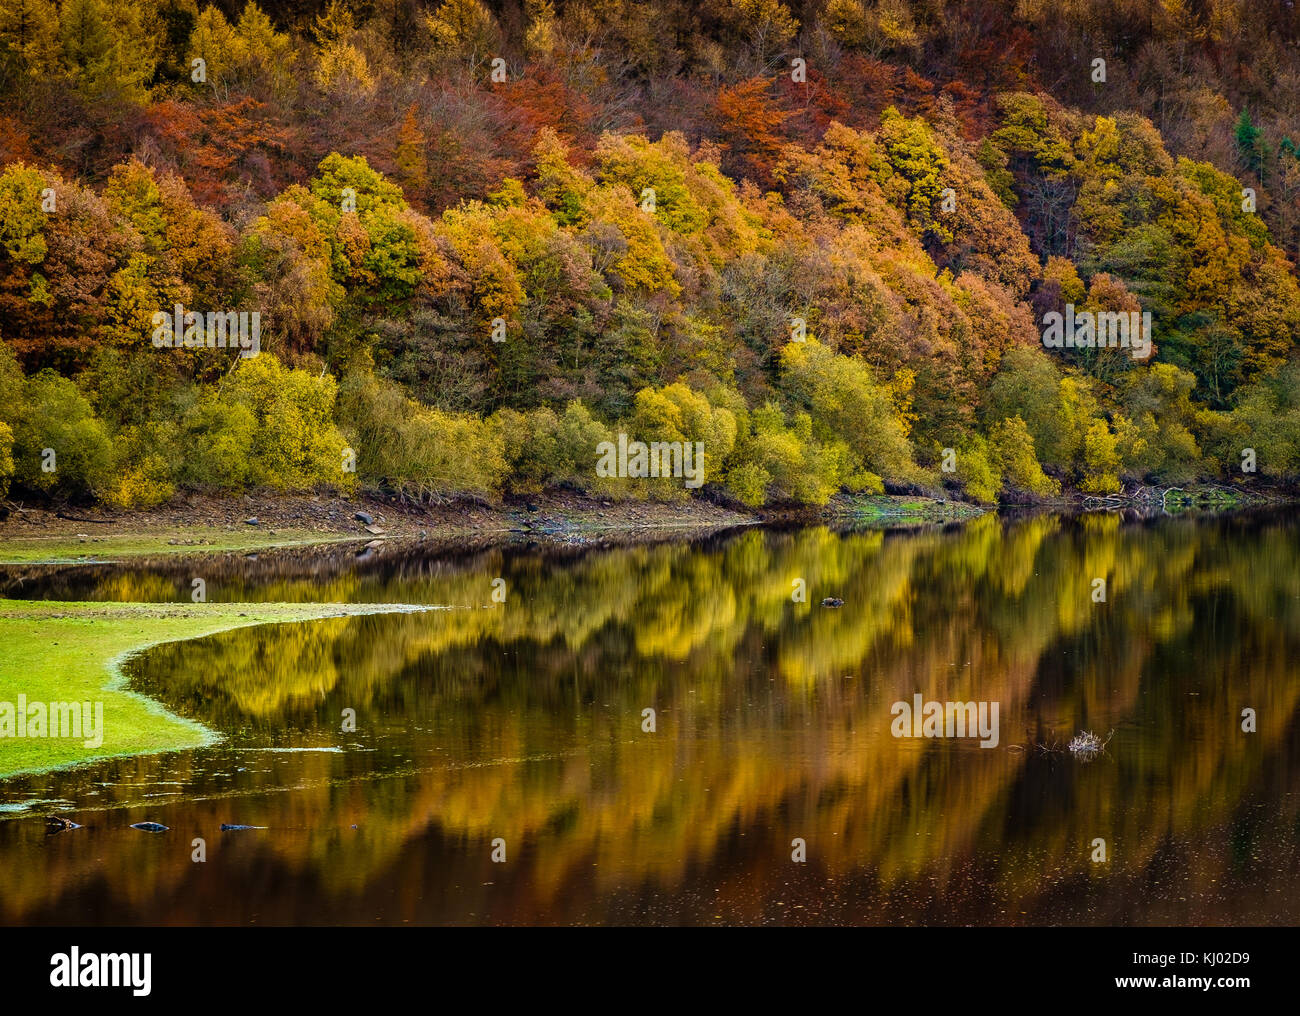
<point x="197" y="524"/>
<point x="32" y="534"/>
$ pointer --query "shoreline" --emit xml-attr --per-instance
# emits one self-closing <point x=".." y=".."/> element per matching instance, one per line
<point x="36" y="535"/>
<point x="47" y="535"/>
<point x="89" y="667"/>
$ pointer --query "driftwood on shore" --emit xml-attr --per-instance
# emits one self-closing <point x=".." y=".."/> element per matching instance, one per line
<point x="1145" y="497"/>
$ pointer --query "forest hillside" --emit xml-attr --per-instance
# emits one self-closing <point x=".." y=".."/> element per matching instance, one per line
<point x="456" y="249"/>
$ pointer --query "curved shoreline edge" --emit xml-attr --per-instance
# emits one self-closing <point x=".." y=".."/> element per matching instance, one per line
<point x="29" y="628"/>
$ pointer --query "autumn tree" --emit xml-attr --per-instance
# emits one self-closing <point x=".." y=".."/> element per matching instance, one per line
<point x="105" y="50"/>
<point x="30" y="29"/>
<point x="410" y="157"/>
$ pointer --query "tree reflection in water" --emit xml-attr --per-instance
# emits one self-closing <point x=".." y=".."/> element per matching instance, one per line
<point x="523" y="720"/>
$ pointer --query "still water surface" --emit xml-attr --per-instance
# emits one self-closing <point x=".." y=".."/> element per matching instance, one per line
<point x="523" y="721"/>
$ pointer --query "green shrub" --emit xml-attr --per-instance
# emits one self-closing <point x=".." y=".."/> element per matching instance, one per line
<point x="845" y="403"/>
<point x="780" y="461"/>
<point x="52" y="414"/>
<point x="1100" y="461"/>
<point x="1027" y="385"/>
<point x="675" y="413"/>
<point x="422" y="452"/>
<point x="532" y="450"/>
<point x="579" y="436"/>
<point x="218" y="438"/>
<point x="1160" y="442"/>
<point x="141" y="476"/>
<point x="976" y="471"/>
<point x="1012" y="452"/>
<point x="6" y="457"/>
<point x="296" y="445"/>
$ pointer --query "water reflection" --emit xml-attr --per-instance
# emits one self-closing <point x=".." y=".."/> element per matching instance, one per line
<point x="523" y="720"/>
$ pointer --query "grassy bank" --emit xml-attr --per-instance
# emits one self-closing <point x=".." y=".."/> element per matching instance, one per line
<point x="73" y="652"/>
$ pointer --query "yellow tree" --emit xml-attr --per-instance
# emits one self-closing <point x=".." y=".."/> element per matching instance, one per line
<point x="31" y="29"/>
<point x="106" y="50"/>
<point x="214" y="42"/>
<point x="339" y="64"/>
<point x="464" y="30"/>
<point x="412" y="162"/>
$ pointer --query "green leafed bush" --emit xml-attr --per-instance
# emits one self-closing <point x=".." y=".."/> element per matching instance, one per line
<point x="424" y="453"/>
<point x="295" y="444"/>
